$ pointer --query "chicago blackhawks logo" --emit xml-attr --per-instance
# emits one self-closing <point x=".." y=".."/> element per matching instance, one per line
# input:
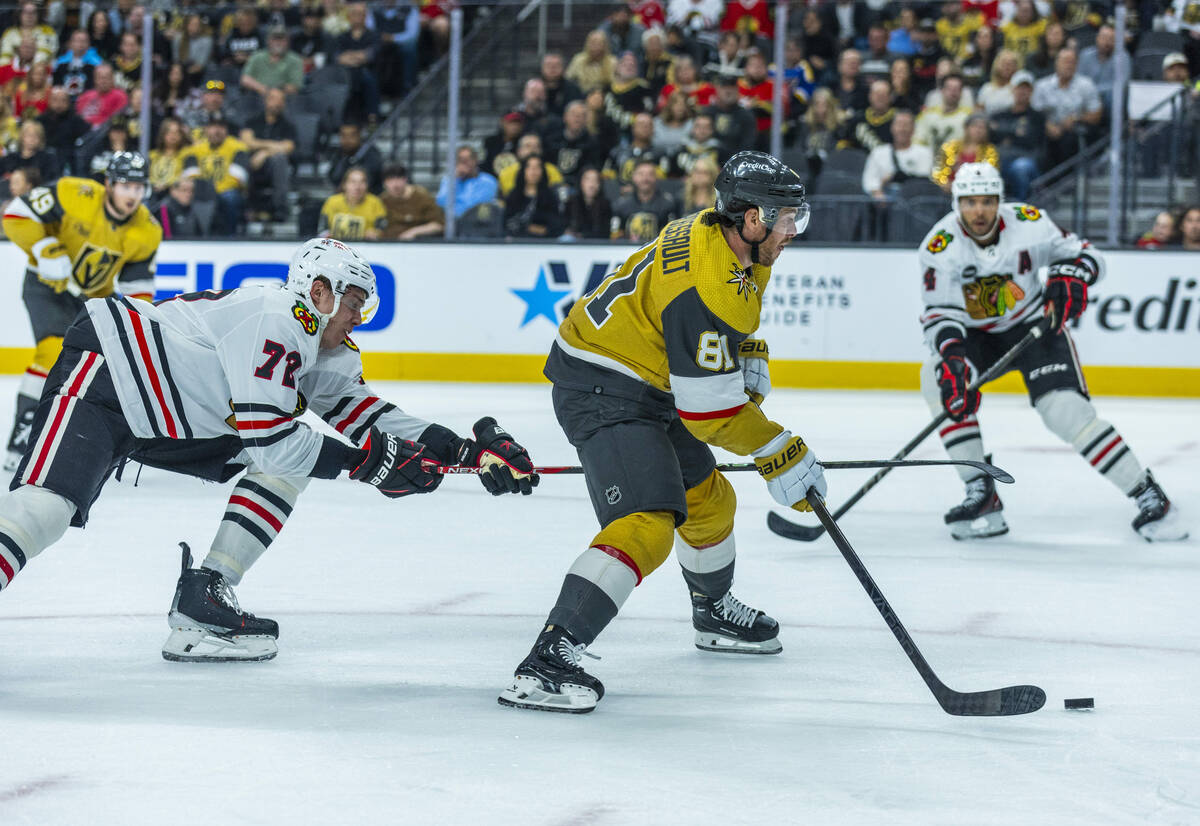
<point x="349" y="342"/>
<point x="939" y="241"/>
<point x="1025" y="212"/>
<point x="743" y="280"/>
<point x="307" y="320"/>
<point x="991" y="296"/>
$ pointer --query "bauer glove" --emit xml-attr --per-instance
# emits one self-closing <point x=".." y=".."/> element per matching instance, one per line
<point x="1066" y="293"/>
<point x="395" y="466"/>
<point x="506" y="465"/>
<point x="755" y="372"/>
<point x="954" y="375"/>
<point x="789" y="468"/>
<point x="53" y="264"/>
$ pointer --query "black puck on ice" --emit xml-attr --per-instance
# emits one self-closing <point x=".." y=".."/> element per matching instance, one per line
<point x="1080" y="703"/>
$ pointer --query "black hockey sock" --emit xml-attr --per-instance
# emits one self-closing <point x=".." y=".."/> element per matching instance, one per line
<point x="18" y="440"/>
<point x="583" y="610"/>
<point x="715" y="584"/>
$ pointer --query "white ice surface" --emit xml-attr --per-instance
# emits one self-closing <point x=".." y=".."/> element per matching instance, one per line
<point x="401" y="620"/>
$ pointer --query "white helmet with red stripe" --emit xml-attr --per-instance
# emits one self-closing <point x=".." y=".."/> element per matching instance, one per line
<point x="337" y="264"/>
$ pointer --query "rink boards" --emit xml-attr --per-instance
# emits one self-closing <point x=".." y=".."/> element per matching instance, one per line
<point x="834" y="317"/>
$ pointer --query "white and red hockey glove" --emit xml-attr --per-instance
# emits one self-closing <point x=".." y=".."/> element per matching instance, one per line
<point x="954" y="375"/>
<point x="395" y="467"/>
<point x="507" y="466"/>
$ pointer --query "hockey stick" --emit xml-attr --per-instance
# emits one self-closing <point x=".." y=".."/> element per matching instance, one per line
<point x="999" y="702"/>
<point x="806" y="533"/>
<point x="999" y="474"/>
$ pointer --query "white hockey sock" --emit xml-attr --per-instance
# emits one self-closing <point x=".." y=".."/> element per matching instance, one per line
<point x="31" y="520"/>
<point x="963" y="441"/>
<point x="32" y="383"/>
<point x="1103" y="448"/>
<point x="257" y="510"/>
<point x="707" y="570"/>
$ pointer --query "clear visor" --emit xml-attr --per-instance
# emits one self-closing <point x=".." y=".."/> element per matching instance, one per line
<point x="791" y="221"/>
<point x="366" y="307"/>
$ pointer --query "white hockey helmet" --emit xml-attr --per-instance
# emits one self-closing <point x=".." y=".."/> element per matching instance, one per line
<point x="976" y="179"/>
<point x="340" y="266"/>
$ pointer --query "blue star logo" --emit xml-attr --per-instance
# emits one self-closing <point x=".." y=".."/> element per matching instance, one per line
<point x="541" y="300"/>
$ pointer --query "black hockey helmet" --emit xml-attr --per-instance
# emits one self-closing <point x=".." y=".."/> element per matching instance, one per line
<point x="756" y="179"/>
<point x="128" y="166"/>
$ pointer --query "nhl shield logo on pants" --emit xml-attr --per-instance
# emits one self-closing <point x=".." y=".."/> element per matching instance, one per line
<point x="613" y="495"/>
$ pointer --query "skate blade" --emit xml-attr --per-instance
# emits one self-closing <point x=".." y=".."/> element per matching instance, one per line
<point x="708" y="641"/>
<point x="990" y="524"/>
<point x="1168" y="529"/>
<point x="11" y="461"/>
<point x="527" y="692"/>
<point x="199" y="645"/>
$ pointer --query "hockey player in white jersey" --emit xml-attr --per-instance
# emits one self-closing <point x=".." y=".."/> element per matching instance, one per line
<point x="983" y="288"/>
<point x="211" y="384"/>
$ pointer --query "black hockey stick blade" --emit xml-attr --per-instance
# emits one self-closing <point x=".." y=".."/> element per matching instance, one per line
<point x="997" y="473"/>
<point x="790" y="530"/>
<point x="999" y="702"/>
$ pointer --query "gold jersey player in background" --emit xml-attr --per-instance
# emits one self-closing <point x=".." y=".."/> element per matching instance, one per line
<point x="649" y="370"/>
<point x="84" y="240"/>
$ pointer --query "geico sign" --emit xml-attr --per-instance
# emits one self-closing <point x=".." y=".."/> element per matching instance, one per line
<point x="1171" y="311"/>
<point x="203" y="275"/>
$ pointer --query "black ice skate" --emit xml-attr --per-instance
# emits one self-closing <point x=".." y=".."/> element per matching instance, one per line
<point x="978" y="517"/>
<point x="207" y="625"/>
<point x="728" y="626"/>
<point x="18" y="442"/>
<point x="1157" y="519"/>
<point x="551" y="679"/>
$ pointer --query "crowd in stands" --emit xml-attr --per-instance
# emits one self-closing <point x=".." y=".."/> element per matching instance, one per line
<point x="880" y="98"/>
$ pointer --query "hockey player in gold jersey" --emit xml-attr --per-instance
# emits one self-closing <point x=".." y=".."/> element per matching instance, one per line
<point x="84" y="240"/>
<point x="649" y="370"/>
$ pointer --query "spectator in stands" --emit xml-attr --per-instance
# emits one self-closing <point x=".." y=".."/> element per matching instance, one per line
<point x="700" y="145"/>
<point x="588" y="211"/>
<point x="1053" y="41"/>
<point x="819" y="44"/>
<point x="1175" y="68"/>
<point x="698" y="190"/>
<point x="956" y="28"/>
<point x="900" y="79"/>
<point x="559" y="90"/>
<point x="356" y="50"/>
<point x="933" y="100"/>
<point x="695" y="15"/>
<point x="997" y="94"/>
<point x="822" y="124"/>
<point x="623" y="34"/>
<point x="533" y="108"/>
<point x="649" y="12"/>
<point x="270" y="139"/>
<point x="1071" y="105"/>
<point x="1189" y="229"/>
<point x="638" y="147"/>
<point x="1020" y="135"/>
<point x="350" y="141"/>
<point x="593" y="67"/>
<point x="19" y="65"/>
<point x="528" y="144"/>
<point x="926" y="58"/>
<point x="473" y="186"/>
<point x="100" y="33"/>
<point x="847" y="21"/>
<point x="599" y="124"/>
<point x="33" y="92"/>
<point x="10" y="127"/>
<point x="399" y="27"/>
<point x="221" y="160"/>
<point x="435" y="24"/>
<point x="31" y="152"/>
<point x="73" y="71"/>
<point x="985" y="48"/>
<point x="757" y="93"/>
<point x="733" y="124"/>
<point x="656" y="61"/>
<point x="903" y="40"/>
<point x="1023" y="33"/>
<point x="275" y="67"/>
<point x="173" y="89"/>
<point x="244" y="40"/>
<point x="891" y="164"/>
<point x="628" y="94"/>
<point x="195" y="110"/>
<point x="531" y="209"/>
<point x="573" y="148"/>
<point x="311" y="42"/>
<point x="353" y="214"/>
<point x="127" y="62"/>
<point x="873" y="126"/>
<point x="192" y="46"/>
<point x="21" y="182"/>
<point x="729" y="57"/>
<point x="686" y="77"/>
<point x="877" y="60"/>
<point x="680" y="45"/>
<point x="500" y="148"/>
<point x="63" y="127"/>
<point x="673" y="124"/>
<point x="115" y="139"/>
<point x="851" y="89"/>
<point x="641" y="215"/>
<point x="1097" y="64"/>
<point x="411" y="211"/>
<point x="750" y="16"/>
<point x="103" y="100"/>
<point x="1161" y="235"/>
<point x="973" y="147"/>
<point x="166" y="158"/>
<point x="935" y="126"/>
<point x="177" y="213"/>
<point x="160" y="45"/>
<point x="29" y="25"/>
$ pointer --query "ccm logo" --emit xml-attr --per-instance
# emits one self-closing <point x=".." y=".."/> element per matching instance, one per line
<point x="1047" y="370"/>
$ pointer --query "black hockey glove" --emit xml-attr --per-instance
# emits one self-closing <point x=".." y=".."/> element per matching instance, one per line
<point x="1066" y="293"/>
<point x="953" y="376"/>
<point x="395" y="466"/>
<point x="507" y="466"/>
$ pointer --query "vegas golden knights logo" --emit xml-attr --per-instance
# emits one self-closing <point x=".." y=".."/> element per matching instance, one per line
<point x="94" y="267"/>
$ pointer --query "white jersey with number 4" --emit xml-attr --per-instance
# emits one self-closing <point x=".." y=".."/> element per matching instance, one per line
<point x="966" y="286"/>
